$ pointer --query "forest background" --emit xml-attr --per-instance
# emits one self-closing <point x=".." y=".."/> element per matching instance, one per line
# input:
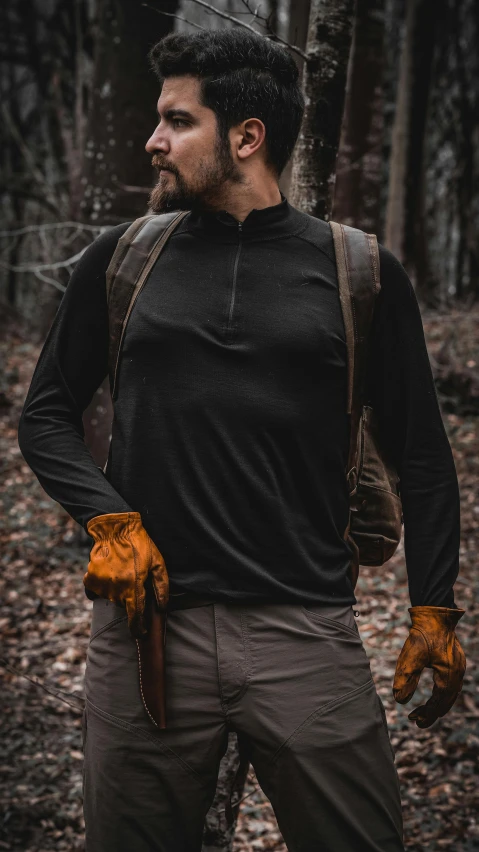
<point x="390" y="144"/>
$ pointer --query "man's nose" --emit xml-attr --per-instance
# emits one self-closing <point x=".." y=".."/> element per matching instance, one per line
<point x="157" y="142"/>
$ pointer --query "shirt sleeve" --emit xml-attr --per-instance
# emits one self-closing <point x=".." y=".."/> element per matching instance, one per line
<point x="403" y="395"/>
<point x="71" y="367"/>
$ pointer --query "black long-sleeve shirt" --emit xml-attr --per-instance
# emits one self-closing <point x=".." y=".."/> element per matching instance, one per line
<point x="230" y="432"/>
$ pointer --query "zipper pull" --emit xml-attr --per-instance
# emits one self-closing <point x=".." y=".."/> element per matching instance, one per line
<point x="240" y="228"/>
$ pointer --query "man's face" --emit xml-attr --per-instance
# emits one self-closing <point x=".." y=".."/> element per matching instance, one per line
<point x="194" y="163"/>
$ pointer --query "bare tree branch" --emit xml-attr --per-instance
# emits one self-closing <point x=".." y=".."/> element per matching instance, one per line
<point x="30" y="229"/>
<point x="172" y="15"/>
<point x="19" y="192"/>
<point x="225" y="15"/>
<point x="48" y="280"/>
<point x="255" y="790"/>
<point x="234" y="20"/>
<point x="265" y="21"/>
<point x="37" y="267"/>
<point x="56" y="693"/>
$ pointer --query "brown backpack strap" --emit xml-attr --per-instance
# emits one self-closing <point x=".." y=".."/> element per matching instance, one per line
<point x="121" y="250"/>
<point x="357" y="260"/>
<point x="132" y="261"/>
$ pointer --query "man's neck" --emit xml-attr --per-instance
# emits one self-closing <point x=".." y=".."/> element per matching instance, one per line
<point x="240" y="199"/>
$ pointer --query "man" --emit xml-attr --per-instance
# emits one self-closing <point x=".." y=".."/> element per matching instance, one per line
<point x="227" y="464"/>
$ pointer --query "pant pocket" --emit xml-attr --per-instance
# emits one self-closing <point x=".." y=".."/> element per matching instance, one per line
<point x="339" y="617"/>
<point x="104" y="614"/>
<point x="338" y="732"/>
<point x="112" y="678"/>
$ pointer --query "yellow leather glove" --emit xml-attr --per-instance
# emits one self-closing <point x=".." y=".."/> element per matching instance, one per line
<point x="431" y="643"/>
<point x="121" y="559"/>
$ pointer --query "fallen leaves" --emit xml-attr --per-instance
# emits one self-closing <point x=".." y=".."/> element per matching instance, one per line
<point x="44" y="625"/>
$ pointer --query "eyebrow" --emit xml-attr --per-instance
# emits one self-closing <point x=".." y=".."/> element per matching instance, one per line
<point x="172" y="113"/>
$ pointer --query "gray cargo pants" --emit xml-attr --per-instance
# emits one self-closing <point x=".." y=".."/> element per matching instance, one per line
<point x="295" y="684"/>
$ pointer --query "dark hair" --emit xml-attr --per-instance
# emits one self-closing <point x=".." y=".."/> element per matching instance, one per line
<point x="243" y="75"/>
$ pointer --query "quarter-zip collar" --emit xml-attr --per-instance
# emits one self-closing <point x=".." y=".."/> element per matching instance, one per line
<point x="267" y="223"/>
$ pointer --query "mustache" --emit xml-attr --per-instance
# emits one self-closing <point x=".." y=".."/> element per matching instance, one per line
<point x="159" y="164"/>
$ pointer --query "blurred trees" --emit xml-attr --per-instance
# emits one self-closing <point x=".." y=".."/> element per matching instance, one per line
<point x="78" y="104"/>
<point x="423" y="115"/>
<point x="116" y="170"/>
<point x="450" y="165"/>
<point x="357" y="194"/>
<point x="40" y="94"/>
<point x="389" y="144"/>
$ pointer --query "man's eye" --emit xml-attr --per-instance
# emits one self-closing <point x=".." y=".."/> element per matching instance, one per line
<point x="180" y="122"/>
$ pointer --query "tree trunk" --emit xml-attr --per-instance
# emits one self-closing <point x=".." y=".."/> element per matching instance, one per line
<point x="393" y="34"/>
<point x="299" y="11"/>
<point x="324" y="81"/>
<point x="423" y="37"/>
<point x="467" y="276"/>
<point x="395" y="210"/>
<point x="123" y="111"/>
<point x="298" y="35"/>
<point x="357" y="194"/>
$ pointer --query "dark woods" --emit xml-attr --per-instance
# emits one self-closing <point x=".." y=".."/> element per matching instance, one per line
<point x="393" y="85"/>
<point x="389" y="144"/>
<point x="388" y="141"/>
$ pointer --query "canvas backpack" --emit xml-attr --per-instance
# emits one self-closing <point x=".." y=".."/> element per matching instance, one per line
<point x="375" y="517"/>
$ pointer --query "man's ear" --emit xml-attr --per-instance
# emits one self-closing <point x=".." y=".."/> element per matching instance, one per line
<point x="249" y="137"/>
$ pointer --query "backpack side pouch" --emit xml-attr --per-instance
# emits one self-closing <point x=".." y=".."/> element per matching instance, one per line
<point x="376" y="510"/>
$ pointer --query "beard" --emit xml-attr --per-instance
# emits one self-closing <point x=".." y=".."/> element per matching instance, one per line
<point x="203" y="191"/>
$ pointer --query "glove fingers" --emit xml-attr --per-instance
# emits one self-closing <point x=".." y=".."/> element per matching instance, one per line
<point x="422" y="717"/>
<point x="104" y="576"/>
<point x="160" y="580"/>
<point x="459" y="664"/>
<point x="136" y="616"/>
<point x="160" y="587"/>
<point x="95" y="586"/>
<point x="436" y="706"/>
<point x="411" y="661"/>
<point x="448" y="682"/>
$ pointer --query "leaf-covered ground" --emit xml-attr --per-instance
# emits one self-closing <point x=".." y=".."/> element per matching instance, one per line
<point x="44" y="628"/>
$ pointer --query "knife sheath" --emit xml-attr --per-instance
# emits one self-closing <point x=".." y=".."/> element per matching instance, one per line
<point x="151" y="660"/>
